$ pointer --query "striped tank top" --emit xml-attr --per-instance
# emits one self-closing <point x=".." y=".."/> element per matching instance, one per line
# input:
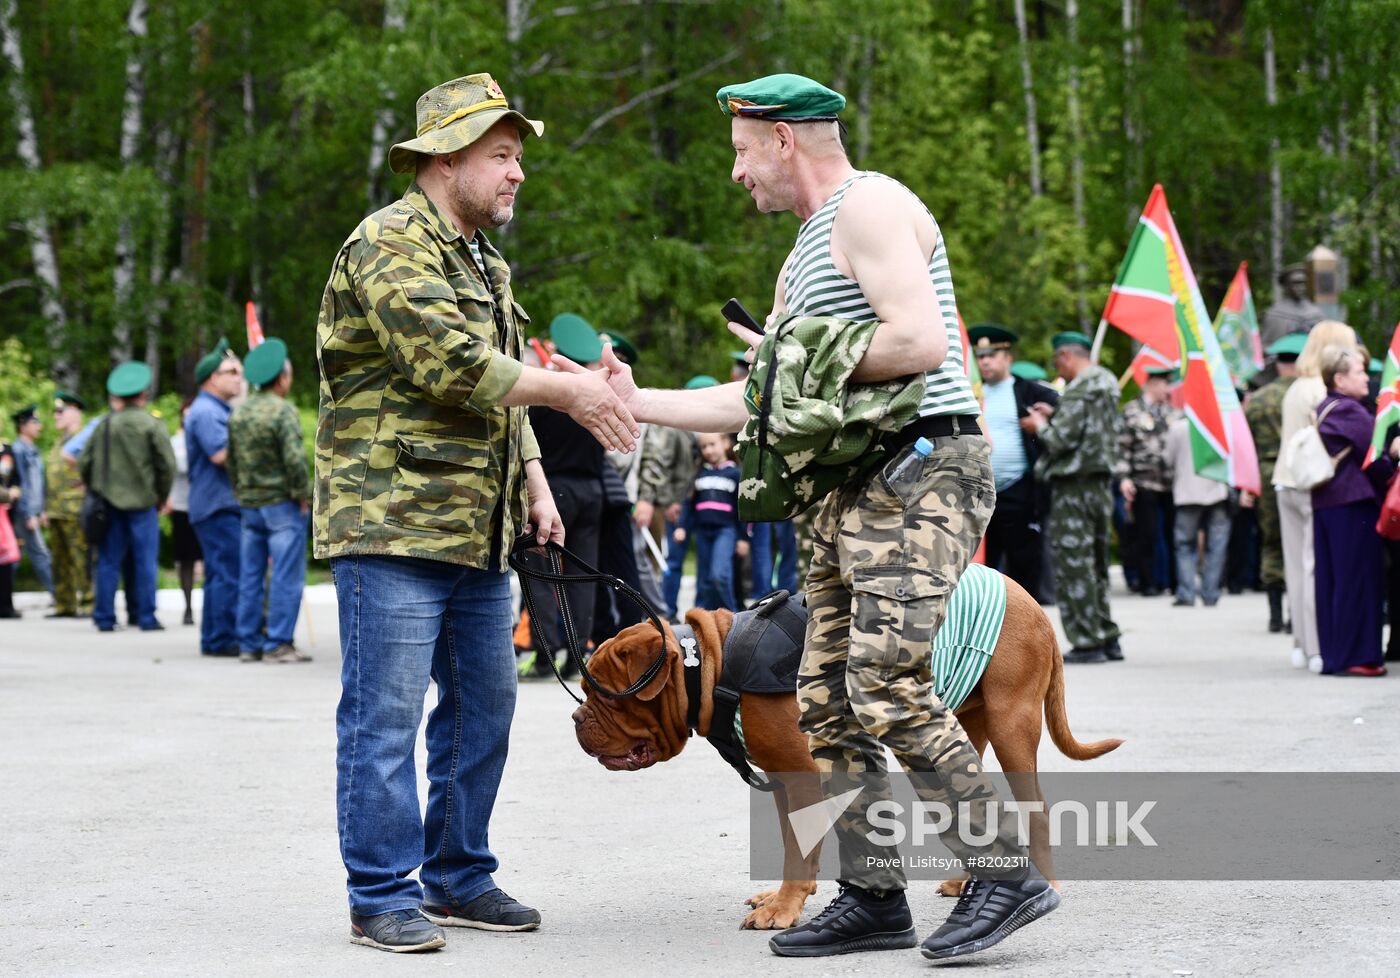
<point x="814" y="287"/>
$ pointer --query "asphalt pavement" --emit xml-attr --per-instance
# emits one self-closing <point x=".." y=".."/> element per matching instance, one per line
<point x="171" y="815"/>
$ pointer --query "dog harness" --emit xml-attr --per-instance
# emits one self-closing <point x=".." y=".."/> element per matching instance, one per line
<point x="763" y="651"/>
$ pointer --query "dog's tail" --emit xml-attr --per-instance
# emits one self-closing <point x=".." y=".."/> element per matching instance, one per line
<point x="1058" y="723"/>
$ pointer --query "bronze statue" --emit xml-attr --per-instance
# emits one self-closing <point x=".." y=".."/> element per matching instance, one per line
<point x="1293" y="311"/>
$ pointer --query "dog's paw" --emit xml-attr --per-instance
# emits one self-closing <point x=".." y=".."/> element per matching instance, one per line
<point x="773" y="915"/>
<point x="952" y="888"/>
<point x="760" y="899"/>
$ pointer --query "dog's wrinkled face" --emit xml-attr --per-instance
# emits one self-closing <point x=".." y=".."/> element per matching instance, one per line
<point x="638" y="731"/>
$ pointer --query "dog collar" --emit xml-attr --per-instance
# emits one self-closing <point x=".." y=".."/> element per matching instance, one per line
<point x="690" y="660"/>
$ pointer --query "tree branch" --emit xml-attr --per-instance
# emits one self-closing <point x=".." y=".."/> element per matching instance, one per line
<point x="652" y="93"/>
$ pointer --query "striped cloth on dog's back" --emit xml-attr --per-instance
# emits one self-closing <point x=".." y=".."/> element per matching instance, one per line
<point x="963" y="646"/>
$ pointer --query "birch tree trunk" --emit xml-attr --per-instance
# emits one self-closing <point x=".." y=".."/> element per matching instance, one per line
<point x="165" y="149"/>
<point x="124" y="271"/>
<point x="1131" y="131"/>
<point x="36" y="226"/>
<point x="867" y="68"/>
<point x="1028" y="88"/>
<point x="1275" y="170"/>
<point x="1077" y="160"/>
<point x="376" y="167"/>
<point x="250" y="133"/>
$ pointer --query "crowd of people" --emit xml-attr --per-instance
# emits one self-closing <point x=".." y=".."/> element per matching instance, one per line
<point x="233" y="480"/>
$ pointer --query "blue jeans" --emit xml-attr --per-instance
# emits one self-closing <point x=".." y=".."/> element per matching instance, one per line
<point x="138" y="532"/>
<point x="404" y="621"/>
<point x="277" y="531"/>
<point x="762" y="557"/>
<point x="219" y="537"/>
<point x="37" y="550"/>
<point x="675" y="564"/>
<point x="1215" y="520"/>
<point x="714" y="566"/>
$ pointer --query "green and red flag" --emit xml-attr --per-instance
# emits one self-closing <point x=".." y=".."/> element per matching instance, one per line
<point x="1157" y="301"/>
<point x="1388" y="401"/>
<point x="1237" y="329"/>
<point x="250" y="320"/>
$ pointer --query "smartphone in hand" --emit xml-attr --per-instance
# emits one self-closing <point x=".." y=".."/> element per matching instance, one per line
<point x="735" y="312"/>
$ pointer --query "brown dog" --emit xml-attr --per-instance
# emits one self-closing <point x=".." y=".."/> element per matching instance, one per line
<point x="1022" y="687"/>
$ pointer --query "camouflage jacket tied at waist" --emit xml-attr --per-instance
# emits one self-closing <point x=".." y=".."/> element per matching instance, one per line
<point x="820" y="430"/>
<point x="1142" y="445"/>
<point x="415" y="454"/>
<point x="1082" y="436"/>
<point x="266" y="452"/>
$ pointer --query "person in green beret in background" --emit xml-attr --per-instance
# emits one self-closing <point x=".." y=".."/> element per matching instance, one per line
<point x="266" y="465"/>
<point x="72" y="593"/>
<point x="128" y="462"/>
<point x="885" y="557"/>
<point x="28" y="512"/>
<point x="1263" y="410"/>
<point x="1079" y="441"/>
<point x="214" y="511"/>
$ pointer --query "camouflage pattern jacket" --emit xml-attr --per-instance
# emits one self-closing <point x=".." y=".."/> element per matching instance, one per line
<point x="820" y="430"/>
<point x="415" y="454"/>
<point x="66" y="488"/>
<point x="266" y="452"/>
<point x="1142" y="445"/>
<point x="668" y="466"/>
<point x="1264" y="412"/>
<point x="1082" y="436"/>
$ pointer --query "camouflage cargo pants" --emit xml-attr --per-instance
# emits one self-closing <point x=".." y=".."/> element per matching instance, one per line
<point x="72" y="592"/>
<point x="1270" y="536"/>
<point x="886" y="556"/>
<point x="1082" y="511"/>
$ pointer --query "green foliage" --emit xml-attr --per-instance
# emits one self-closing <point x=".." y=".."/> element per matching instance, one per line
<point x="20" y="384"/>
<point x="628" y="215"/>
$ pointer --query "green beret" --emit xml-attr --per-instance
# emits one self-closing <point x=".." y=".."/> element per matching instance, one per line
<point x="66" y="397"/>
<point x="1375" y="366"/>
<point x="1071" y="337"/>
<point x="740" y="356"/>
<point x="1165" y="372"/>
<point x="1028" y="371"/>
<point x="625" y="349"/>
<point x="990" y="336"/>
<point x="700" y="381"/>
<point x="27" y="413"/>
<point x="1288" y="347"/>
<point x="208" y="363"/>
<point x="129" y="380"/>
<point x="793" y="98"/>
<point x="575" y="338"/>
<point x="264" y="362"/>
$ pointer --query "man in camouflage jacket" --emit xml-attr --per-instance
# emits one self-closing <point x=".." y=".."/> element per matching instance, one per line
<point x="426" y="470"/>
<point x="1264" y="411"/>
<point x="266" y="463"/>
<point x="1145" y="478"/>
<point x="1078" y="441"/>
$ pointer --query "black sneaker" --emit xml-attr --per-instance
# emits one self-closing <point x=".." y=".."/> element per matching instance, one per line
<point x="1113" y="651"/>
<point x="1075" y="656"/>
<point x="855" y="921"/>
<point x="493" y="910"/>
<point x="397" y="930"/>
<point x="988" y="911"/>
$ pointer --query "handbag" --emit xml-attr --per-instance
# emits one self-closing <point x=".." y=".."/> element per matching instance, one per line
<point x="96" y="513"/>
<point x="1309" y="462"/>
<point x="9" y="545"/>
<point x="1388" y="525"/>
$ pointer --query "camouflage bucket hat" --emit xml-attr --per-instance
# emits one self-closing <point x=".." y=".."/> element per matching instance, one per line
<point x="454" y="115"/>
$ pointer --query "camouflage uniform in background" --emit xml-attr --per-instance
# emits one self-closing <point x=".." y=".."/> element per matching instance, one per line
<point x="1264" y="412"/>
<point x="1078" y="445"/>
<point x="72" y="591"/>
<point x="670" y="458"/>
<point x="1142" y="457"/>
<point x="266" y="465"/>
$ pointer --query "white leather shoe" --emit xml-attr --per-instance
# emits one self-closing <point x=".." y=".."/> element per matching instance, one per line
<point x="1315" y="664"/>
<point x="1300" y="661"/>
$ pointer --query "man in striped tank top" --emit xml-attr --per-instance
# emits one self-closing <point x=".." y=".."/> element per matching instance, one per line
<point x="888" y="550"/>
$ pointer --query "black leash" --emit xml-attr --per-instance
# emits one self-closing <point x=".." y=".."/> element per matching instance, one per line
<point x="556" y="577"/>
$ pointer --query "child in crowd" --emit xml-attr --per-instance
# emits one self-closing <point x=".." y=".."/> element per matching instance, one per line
<point x="713" y="518"/>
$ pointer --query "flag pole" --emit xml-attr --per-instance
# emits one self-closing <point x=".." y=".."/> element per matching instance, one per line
<point x="1098" y="341"/>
